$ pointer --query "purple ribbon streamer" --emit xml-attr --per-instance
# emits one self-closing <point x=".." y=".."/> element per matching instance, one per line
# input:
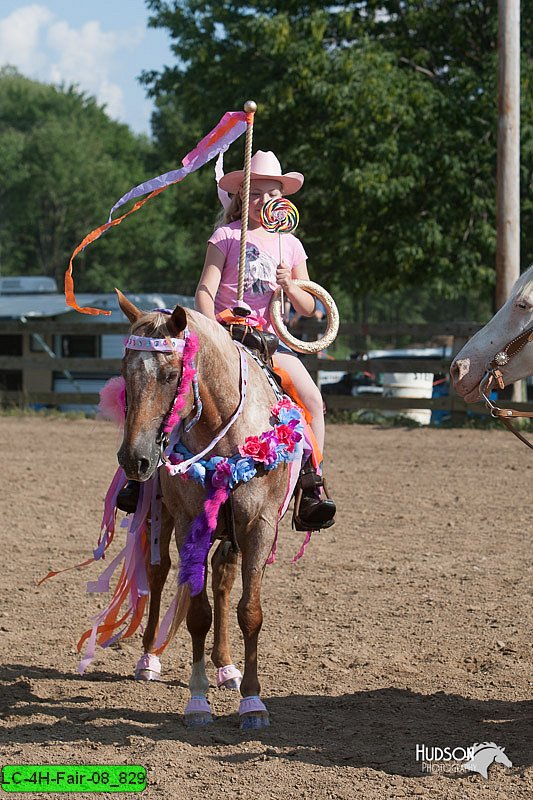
<point x="108" y="519"/>
<point x="201" y="154"/>
<point x="155" y="515"/>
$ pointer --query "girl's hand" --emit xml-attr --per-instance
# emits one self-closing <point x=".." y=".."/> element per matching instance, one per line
<point x="284" y="276"/>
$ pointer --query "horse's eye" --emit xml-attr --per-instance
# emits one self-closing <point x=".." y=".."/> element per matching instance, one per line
<point x="523" y="305"/>
<point x="172" y="377"/>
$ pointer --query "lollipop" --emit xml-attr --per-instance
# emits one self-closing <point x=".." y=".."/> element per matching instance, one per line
<point x="279" y="215"/>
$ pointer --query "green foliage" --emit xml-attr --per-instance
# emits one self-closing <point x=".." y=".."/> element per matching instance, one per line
<point x="389" y="108"/>
<point x="64" y="165"/>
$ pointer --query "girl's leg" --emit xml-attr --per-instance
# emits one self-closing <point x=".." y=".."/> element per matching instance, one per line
<point x="308" y="391"/>
<point x="313" y="511"/>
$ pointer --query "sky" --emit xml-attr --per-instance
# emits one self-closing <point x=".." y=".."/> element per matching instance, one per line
<point x="102" y="46"/>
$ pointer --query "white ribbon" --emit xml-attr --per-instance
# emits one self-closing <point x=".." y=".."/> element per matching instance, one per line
<point x="223" y="196"/>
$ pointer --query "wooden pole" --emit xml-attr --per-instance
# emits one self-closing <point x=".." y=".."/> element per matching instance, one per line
<point x="242" y="309"/>
<point x="508" y="166"/>
<point x="508" y="176"/>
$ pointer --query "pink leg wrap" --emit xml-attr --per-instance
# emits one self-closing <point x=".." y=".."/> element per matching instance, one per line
<point x="198" y="704"/>
<point x="226" y="673"/>
<point x="148" y="662"/>
<point x="249" y="704"/>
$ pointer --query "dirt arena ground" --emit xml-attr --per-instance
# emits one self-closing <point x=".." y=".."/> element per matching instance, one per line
<point x="408" y="623"/>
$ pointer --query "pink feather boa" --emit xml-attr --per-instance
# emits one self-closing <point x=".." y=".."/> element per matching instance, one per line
<point x="187" y="374"/>
<point x="112" y="404"/>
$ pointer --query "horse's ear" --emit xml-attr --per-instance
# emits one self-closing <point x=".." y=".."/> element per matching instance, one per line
<point x="178" y="320"/>
<point x="131" y="311"/>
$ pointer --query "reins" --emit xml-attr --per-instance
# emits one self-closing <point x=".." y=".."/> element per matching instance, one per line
<point x="493" y="375"/>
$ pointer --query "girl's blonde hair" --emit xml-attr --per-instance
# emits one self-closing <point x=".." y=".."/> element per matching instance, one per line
<point x="230" y="214"/>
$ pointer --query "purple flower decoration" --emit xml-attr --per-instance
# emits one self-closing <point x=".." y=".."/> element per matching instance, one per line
<point x="222" y="474"/>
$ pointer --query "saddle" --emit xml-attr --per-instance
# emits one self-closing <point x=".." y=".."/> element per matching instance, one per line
<point x="263" y="342"/>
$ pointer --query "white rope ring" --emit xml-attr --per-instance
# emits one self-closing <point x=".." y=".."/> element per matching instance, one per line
<point x="332" y="314"/>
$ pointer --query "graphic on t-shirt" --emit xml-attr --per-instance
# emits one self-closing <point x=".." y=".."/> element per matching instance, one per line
<point x="260" y="271"/>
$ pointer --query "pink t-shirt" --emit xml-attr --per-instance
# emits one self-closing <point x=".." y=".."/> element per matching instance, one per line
<point x="262" y="259"/>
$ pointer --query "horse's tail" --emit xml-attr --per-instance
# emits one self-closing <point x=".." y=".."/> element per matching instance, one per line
<point x="183" y="601"/>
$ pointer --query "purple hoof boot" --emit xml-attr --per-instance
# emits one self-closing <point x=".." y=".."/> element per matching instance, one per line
<point x="198" y="713"/>
<point x="253" y="714"/>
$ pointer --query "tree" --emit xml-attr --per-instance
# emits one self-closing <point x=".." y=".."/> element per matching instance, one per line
<point x="389" y="108"/>
<point x="64" y="165"/>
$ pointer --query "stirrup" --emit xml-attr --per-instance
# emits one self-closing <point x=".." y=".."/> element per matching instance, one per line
<point x="312" y="512"/>
<point x="128" y="497"/>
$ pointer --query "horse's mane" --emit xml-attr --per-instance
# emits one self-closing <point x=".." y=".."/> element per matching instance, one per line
<point x="524" y="284"/>
<point x="152" y="322"/>
<point x="485" y="746"/>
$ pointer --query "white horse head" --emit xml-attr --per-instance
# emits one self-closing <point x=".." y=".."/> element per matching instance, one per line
<point x="485" y="754"/>
<point x="469" y="365"/>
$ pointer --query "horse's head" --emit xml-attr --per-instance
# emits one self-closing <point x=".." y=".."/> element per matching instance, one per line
<point x="502" y="758"/>
<point x="470" y="364"/>
<point x="152" y="379"/>
<point x="485" y="754"/>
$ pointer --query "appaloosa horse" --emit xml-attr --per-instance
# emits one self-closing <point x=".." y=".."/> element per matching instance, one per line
<point x="157" y="377"/>
<point x="499" y="354"/>
<point x="490" y="344"/>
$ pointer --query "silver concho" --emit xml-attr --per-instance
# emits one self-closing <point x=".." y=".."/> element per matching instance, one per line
<point x="501" y="359"/>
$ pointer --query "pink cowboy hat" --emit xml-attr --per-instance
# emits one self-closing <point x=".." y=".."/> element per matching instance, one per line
<point x="267" y="167"/>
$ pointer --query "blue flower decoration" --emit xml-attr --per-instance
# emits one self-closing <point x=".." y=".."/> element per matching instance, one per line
<point x="243" y="470"/>
<point x="197" y="472"/>
<point x="286" y="415"/>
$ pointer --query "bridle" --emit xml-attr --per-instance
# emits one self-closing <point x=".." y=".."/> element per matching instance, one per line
<point x="168" y="344"/>
<point x="170" y="431"/>
<point x="493" y="375"/>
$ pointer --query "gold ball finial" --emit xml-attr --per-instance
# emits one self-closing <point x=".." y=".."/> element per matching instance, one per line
<point x="250" y="107"/>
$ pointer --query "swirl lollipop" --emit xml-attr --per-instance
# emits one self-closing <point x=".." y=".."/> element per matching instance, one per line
<point x="279" y="215"/>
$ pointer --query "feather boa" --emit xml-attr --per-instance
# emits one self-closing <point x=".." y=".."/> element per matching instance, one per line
<point x="188" y="373"/>
<point x="112" y="404"/>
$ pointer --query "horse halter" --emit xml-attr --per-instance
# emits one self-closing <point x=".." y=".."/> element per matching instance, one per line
<point x="493" y="375"/>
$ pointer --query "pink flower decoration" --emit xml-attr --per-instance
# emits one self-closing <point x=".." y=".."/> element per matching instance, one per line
<point x="285" y="402"/>
<point x="287" y="436"/>
<point x="257" y="449"/>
